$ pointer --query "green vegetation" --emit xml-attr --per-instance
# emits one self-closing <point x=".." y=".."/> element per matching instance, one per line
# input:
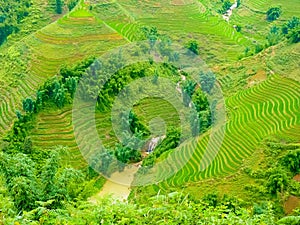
<point x="173" y="208"/>
<point x="226" y="5"/>
<point x="249" y="176"/>
<point x="193" y="46"/>
<point x="273" y="13"/>
<point x="58" y="8"/>
<point x="72" y="4"/>
<point x="12" y="14"/>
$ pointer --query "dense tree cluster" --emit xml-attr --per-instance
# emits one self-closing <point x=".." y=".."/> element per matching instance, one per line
<point x="273" y="13"/>
<point x="193" y="46"/>
<point x="171" y="208"/>
<point x="71" y="4"/>
<point x="57" y="92"/>
<point x="197" y="94"/>
<point x="12" y="14"/>
<point x="226" y="4"/>
<point x="32" y="183"/>
<point x="58" y="6"/>
<point x="283" y="164"/>
<point x="289" y="30"/>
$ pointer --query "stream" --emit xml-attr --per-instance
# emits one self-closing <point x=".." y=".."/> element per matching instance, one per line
<point x="121" y="190"/>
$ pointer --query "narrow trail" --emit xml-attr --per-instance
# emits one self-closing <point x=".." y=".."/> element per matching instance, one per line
<point x="227" y="15"/>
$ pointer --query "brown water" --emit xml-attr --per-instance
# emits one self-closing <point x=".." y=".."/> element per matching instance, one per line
<point x="118" y="185"/>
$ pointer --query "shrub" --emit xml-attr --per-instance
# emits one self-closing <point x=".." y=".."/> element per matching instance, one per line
<point x="72" y="4"/>
<point x="294" y="35"/>
<point x="277" y="181"/>
<point x="193" y="47"/>
<point x="58" y="9"/>
<point x="273" y="13"/>
<point x="292" y="161"/>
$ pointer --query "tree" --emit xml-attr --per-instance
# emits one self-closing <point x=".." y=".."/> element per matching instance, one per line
<point x="204" y="114"/>
<point x="27" y="145"/>
<point x="277" y="181"/>
<point x="273" y="13"/>
<point x="28" y="105"/>
<point x="170" y="142"/>
<point x="151" y="34"/>
<point x="200" y="100"/>
<point x="207" y="81"/>
<point x="19" y="172"/>
<point x="294" y="35"/>
<point x="69" y="184"/>
<point x="19" y="114"/>
<point x="72" y="4"/>
<point x="238" y="28"/>
<point x="291" y="24"/>
<point x="194" y="123"/>
<point x="188" y="88"/>
<point x="12" y="14"/>
<point x="24" y="192"/>
<point x="135" y="125"/>
<point x="59" y="94"/>
<point x="58" y="6"/>
<point x="274" y="36"/>
<point x="292" y="161"/>
<point x="258" y="48"/>
<point x="101" y="162"/>
<point x="193" y="47"/>
<point x="126" y="154"/>
<point x="40" y="96"/>
<point x="71" y="85"/>
<point x="49" y="171"/>
<point x="226" y="5"/>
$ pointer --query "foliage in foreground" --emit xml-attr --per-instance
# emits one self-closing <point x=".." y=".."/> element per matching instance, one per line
<point x="173" y="208"/>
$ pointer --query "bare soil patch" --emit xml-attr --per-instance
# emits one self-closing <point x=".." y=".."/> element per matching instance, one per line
<point x="291" y="203"/>
<point x="257" y="78"/>
<point x="297" y="178"/>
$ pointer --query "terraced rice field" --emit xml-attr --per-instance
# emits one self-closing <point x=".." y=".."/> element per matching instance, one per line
<point x="66" y="41"/>
<point x="288" y="10"/>
<point x="180" y="22"/>
<point x="251" y="16"/>
<point x="82" y="33"/>
<point x="119" y="19"/>
<point x="156" y="110"/>
<point x="269" y="108"/>
<point x="55" y="128"/>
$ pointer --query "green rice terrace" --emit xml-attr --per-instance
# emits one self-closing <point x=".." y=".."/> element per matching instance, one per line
<point x="149" y="112"/>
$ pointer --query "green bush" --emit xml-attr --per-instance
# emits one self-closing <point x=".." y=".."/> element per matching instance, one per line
<point x="292" y="161"/>
<point x="273" y="13"/>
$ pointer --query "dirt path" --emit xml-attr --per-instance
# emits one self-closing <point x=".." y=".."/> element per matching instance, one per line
<point x="227" y="15"/>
